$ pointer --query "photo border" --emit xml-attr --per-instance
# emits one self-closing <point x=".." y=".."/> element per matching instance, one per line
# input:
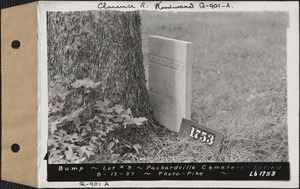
<point x="292" y="90"/>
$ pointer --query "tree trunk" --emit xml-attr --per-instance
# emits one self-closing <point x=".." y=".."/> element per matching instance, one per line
<point x="104" y="46"/>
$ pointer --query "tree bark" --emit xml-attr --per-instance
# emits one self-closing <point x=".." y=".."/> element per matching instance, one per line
<point x="104" y="46"/>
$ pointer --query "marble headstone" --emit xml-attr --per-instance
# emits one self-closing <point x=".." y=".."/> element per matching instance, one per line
<point x="170" y="75"/>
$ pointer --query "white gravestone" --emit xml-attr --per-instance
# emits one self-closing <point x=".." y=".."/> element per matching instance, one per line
<point x="170" y="78"/>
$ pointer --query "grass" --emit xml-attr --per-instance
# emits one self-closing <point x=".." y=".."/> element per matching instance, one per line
<point x="238" y="88"/>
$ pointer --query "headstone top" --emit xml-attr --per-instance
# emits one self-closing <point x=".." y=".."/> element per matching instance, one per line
<point x="169" y="39"/>
<point x="168" y="48"/>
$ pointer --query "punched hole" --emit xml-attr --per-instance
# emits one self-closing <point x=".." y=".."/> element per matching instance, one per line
<point x="15" y="148"/>
<point x="15" y="44"/>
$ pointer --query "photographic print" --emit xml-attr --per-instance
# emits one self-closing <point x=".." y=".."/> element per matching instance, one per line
<point x="99" y="107"/>
<point x="166" y="94"/>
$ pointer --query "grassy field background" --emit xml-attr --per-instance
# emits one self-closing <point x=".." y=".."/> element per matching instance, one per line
<point x="239" y="85"/>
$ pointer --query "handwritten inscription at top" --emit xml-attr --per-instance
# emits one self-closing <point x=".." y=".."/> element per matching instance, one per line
<point x="161" y="6"/>
<point x="167" y="62"/>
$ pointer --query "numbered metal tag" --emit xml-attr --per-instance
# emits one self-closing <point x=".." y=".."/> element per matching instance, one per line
<point x="206" y="135"/>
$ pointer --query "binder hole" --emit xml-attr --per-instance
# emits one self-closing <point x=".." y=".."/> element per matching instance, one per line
<point x="15" y="44"/>
<point x="15" y="148"/>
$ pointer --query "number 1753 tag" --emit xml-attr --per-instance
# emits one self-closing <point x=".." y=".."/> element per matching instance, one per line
<point x="200" y="133"/>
